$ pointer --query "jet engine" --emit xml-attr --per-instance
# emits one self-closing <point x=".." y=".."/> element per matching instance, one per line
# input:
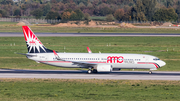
<point x="104" y="68"/>
<point x="116" y="69"/>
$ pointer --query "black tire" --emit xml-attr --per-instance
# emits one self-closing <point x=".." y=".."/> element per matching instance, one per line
<point x="89" y="71"/>
<point x="95" y="71"/>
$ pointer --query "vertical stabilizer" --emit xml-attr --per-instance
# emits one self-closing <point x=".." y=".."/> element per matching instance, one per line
<point x="34" y="45"/>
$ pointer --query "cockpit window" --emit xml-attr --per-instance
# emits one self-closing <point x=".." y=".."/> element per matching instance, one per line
<point x="156" y="59"/>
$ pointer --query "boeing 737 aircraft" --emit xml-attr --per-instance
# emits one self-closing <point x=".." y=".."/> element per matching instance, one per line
<point x="95" y="62"/>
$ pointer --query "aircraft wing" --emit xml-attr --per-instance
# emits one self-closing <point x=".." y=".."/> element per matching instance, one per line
<point x="84" y="63"/>
<point x="75" y="62"/>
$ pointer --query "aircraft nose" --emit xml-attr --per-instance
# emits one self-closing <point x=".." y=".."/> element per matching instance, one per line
<point x="161" y="63"/>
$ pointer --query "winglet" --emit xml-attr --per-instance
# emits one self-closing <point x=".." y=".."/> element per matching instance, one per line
<point x="56" y="55"/>
<point x="88" y="49"/>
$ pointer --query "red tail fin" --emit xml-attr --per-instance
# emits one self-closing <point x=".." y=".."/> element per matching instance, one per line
<point x="28" y="34"/>
<point x="34" y="45"/>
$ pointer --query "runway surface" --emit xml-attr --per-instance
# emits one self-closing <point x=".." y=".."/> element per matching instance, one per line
<point x="82" y="74"/>
<point x="9" y="34"/>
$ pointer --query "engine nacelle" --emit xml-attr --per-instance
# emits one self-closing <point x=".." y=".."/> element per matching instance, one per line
<point x="116" y="69"/>
<point x="104" y="68"/>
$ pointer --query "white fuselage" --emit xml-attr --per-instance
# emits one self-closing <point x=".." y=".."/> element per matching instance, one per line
<point x="128" y="61"/>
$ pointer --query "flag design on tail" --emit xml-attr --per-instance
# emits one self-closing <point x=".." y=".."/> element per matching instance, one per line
<point x="34" y="45"/>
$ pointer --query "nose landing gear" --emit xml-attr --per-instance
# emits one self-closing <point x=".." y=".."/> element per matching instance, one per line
<point x="150" y="72"/>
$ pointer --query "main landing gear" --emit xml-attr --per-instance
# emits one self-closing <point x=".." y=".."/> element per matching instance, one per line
<point x="90" y="71"/>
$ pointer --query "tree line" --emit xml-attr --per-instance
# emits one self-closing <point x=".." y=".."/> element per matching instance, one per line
<point x="121" y="10"/>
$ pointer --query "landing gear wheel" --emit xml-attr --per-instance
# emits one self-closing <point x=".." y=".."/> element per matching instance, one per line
<point x="94" y="70"/>
<point x="89" y="71"/>
<point x="150" y="72"/>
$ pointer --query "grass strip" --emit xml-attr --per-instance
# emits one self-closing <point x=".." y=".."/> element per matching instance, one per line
<point x="53" y="29"/>
<point x="89" y="90"/>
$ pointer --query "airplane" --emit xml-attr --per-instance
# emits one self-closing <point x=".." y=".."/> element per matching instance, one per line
<point x="94" y="62"/>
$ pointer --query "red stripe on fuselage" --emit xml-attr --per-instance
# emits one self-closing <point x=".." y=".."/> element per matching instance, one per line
<point x="148" y="63"/>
